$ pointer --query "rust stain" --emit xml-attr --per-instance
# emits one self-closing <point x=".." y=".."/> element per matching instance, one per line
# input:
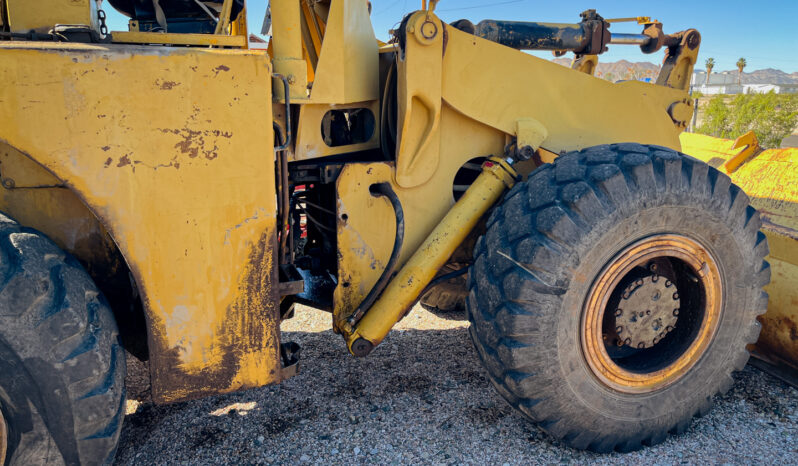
<point x="166" y="85"/>
<point x="791" y="327"/>
<point x="106" y="148"/>
<point x="220" y="68"/>
<point x="124" y="161"/>
<point x="108" y="162"/>
<point x="193" y="141"/>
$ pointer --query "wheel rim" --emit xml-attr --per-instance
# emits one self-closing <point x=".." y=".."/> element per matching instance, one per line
<point x="3" y="438"/>
<point x="651" y="313"/>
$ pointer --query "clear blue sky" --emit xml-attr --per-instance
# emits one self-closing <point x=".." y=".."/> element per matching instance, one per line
<point x="762" y="31"/>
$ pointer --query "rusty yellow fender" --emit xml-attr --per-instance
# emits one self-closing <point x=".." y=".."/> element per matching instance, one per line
<point x="770" y="178"/>
<point x="172" y="150"/>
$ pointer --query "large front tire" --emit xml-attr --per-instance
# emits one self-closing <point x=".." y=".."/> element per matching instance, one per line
<point x="61" y="367"/>
<point x="615" y="291"/>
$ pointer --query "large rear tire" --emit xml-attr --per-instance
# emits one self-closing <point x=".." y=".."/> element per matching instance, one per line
<point x="62" y="369"/>
<point x="614" y="293"/>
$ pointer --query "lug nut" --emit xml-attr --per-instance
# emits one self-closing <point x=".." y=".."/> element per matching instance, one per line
<point x="618" y="312"/>
<point x="676" y="312"/>
<point x="669" y="329"/>
<point x="675" y="296"/>
<point x="641" y="345"/>
<point x="668" y="283"/>
<point x="618" y="329"/>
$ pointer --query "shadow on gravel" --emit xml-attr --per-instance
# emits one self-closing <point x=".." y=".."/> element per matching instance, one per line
<point x="422" y="396"/>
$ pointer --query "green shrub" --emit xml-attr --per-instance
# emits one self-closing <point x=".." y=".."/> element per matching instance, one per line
<point x="771" y="116"/>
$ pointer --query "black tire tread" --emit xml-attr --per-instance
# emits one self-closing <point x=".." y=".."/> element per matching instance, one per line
<point x="555" y="208"/>
<point x="64" y="336"/>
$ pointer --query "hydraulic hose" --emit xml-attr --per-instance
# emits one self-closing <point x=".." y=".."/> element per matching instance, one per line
<point x="448" y="276"/>
<point x="384" y="189"/>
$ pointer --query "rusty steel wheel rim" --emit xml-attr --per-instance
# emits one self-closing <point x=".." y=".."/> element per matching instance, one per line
<point x="681" y="344"/>
<point x="3" y="438"/>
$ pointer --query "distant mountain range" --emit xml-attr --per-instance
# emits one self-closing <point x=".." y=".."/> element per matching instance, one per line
<point x="766" y="76"/>
<point x="628" y="70"/>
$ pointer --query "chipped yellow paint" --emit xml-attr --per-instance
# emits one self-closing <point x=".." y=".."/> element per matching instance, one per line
<point x="404" y="289"/>
<point x="770" y="178"/>
<point x="171" y="148"/>
<point x="365" y="238"/>
<point x="577" y="109"/>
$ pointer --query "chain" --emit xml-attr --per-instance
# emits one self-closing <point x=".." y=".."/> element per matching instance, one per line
<point x="103" y="28"/>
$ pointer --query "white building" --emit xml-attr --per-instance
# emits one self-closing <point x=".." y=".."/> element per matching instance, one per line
<point x="726" y="83"/>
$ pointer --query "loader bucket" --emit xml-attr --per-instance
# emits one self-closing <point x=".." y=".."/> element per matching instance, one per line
<point x="770" y="178"/>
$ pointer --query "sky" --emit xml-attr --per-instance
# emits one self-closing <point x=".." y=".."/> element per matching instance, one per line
<point x="763" y="31"/>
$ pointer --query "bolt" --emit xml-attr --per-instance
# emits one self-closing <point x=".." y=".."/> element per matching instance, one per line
<point x="654" y="278"/>
<point x="526" y="152"/>
<point x="675" y="296"/>
<point x="619" y="329"/>
<point x="429" y="30"/>
<point x="648" y="312"/>
<point x="619" y="342"/>
<point x="652" y="267"/>
<point x="669" y="329"/>
<point x="662" y="335"/>
<point x="676" y="313"/>
<point x="668" y="283"/>
<point x="656" y="340"/>
<point x="628" y="341"/>
<point x="362" y="347"/>
<point x="641" y="345"/>
<point x="639" y="282"/>
<point x="618" y="312"/>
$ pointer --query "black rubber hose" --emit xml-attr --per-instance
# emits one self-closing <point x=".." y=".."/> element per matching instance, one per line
<point x="443" y="278"/>
<point x="384" y="189"/>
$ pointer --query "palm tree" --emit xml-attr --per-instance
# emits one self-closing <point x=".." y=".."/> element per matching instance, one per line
<point x="710" y="63"/>
<point x="740" y="65"/>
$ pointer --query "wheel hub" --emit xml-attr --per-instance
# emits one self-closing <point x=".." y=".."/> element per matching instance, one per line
<point x="638" y="334"/>
<point x="648" y="311"/>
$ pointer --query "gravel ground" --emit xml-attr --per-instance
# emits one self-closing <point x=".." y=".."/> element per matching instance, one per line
<point x="421" y="397"/>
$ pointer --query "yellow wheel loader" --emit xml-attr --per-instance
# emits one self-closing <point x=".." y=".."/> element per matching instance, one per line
<point x="171" y="192"/>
